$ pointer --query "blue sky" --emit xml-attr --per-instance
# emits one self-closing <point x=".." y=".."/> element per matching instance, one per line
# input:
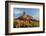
<point x="30" y="11"/>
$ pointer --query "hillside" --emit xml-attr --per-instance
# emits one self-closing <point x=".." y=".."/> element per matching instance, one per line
<point x="25" y="21"/>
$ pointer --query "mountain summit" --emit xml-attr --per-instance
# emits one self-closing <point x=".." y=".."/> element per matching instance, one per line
<point x="25" y="16"/>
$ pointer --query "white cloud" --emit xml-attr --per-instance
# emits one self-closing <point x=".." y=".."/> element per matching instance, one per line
<point x="18" y="12"/>
<point x="36" y="17"/>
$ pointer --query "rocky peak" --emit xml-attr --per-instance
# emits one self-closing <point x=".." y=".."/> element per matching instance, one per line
<point x="25" y="16"/>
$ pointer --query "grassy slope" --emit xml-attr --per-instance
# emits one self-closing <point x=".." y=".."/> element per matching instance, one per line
<point x="29" y="24"/>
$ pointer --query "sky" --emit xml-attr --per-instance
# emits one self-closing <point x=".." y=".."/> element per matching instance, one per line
<point x="30" y="11"/>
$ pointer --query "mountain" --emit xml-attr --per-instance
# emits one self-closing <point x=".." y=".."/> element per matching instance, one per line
<point x="24" y="16"/>
<point x="25" y="21"/>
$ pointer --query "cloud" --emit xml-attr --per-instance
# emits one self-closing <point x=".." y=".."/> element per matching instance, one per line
<point x="18" y="12"/>
<point x="36" y="17"/>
